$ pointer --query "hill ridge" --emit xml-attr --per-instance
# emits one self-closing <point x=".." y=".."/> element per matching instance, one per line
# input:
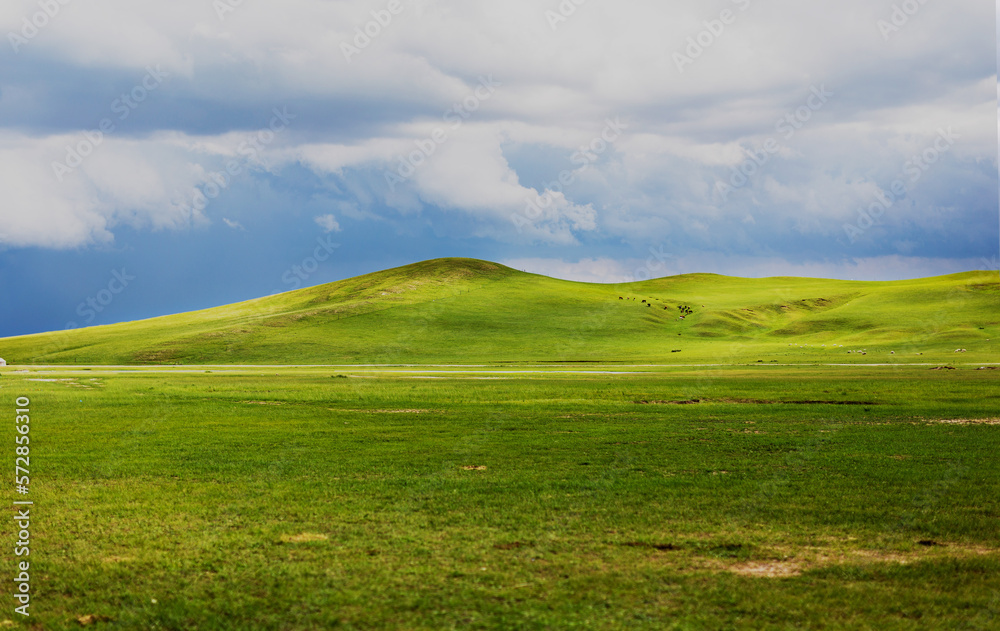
<point x="462" y="309"/>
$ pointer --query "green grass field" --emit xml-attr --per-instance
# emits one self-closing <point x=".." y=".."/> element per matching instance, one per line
<point x="527" y="454"/>
<point x="595" y="497"/>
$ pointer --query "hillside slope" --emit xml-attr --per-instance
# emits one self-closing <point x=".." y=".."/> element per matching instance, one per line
<point x="466" y="310"/>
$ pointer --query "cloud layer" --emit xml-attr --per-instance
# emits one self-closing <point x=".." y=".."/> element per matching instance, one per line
<point x="789" y="131"/>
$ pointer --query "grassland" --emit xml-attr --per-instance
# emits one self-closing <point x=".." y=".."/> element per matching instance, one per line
<point x="488" y="449"/>
<point x="469" y="311"/>
<point x="557" y="497"/>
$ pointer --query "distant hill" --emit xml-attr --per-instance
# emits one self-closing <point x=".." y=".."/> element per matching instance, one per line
<point x="466" y="310"/>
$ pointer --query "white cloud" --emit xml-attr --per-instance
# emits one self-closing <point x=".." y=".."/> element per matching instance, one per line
<point x="466" y="172"/>
<point x="602" y="60"/>
<point x="328" y="223"/>
<point x="235" y="225"/>
<point x="123" y="182"/>
<point x="687" y="130"/>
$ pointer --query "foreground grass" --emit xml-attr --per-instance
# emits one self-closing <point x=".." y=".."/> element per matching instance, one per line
<point x="784" y="498"/>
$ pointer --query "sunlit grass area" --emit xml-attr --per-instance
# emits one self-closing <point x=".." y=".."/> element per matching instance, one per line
<point x="595" y="497"/>
<point x="464" y="310"/>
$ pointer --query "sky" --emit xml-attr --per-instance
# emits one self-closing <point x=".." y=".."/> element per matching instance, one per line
<point x="159" y="157"/>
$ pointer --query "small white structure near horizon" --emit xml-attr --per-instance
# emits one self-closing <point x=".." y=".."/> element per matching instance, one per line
<point x="3" y="362"/>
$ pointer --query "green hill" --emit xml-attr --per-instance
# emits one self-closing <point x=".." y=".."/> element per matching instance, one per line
<point x="466" y="310"/>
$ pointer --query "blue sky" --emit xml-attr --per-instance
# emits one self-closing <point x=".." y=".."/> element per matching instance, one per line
<point x="161" y="157"/>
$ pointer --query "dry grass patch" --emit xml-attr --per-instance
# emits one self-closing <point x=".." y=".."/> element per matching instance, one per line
<point x="767" y="569"/>
<point x="970" y="421"/>
<point x="305" y="537"/>
<point x="809" y="557"/>
<point x="69" y="381"/>
<point x="92" y="618"/>
<point x="401" y="411"/>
